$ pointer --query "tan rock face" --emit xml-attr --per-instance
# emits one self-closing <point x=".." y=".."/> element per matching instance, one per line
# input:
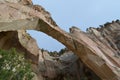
<point x="25" y="2"/>
<point x="99" y="48"/>
<point x="12" y="1"/>
<point x="66" y="66"/>
<point x="22" y="42"/>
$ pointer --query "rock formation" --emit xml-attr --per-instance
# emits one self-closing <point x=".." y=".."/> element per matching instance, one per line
<point x="98" y="48"/>
<point x="65" y="67"/>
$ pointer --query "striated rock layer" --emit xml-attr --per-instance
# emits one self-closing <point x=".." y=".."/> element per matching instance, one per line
<point x="98" y="48"/>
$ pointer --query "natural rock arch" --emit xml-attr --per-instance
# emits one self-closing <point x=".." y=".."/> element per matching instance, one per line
<point x="89" y="47"/>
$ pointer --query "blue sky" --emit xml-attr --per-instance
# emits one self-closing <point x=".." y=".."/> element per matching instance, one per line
<point x="80" y="13"/>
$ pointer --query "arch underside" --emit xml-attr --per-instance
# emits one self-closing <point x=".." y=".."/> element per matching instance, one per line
<point x="96" y="48"/>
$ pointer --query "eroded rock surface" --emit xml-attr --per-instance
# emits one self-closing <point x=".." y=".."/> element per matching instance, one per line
<point x="99" y="48"/>
<point x="22" y="42"/>
<point x="65" y="67"/>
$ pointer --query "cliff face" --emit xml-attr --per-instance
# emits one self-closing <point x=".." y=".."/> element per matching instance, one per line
<point x="22" y="42"/>
<point x="98" y="48"/>
<point x="65" y="67"/>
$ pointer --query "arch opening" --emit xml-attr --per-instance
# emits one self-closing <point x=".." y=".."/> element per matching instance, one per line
<point x="45" y="42"/>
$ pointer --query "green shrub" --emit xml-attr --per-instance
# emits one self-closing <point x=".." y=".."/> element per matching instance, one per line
<point x="13" y="66"/>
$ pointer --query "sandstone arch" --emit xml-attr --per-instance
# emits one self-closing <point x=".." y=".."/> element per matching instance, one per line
<point x="93" y="48"/>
